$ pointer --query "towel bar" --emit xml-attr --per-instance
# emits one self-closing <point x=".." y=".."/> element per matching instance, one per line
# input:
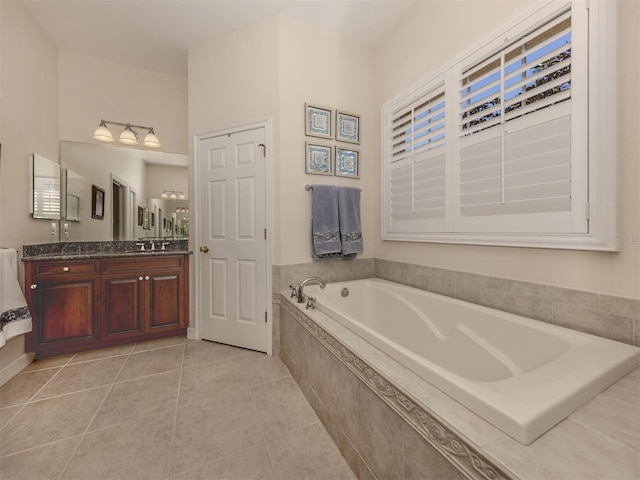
<point x="308" y="187"/>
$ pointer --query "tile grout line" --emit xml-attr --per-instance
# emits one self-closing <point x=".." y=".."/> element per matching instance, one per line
<point x="264" y="439"/>
<point x="75" y="450"/>
<point x="175" y="413"/>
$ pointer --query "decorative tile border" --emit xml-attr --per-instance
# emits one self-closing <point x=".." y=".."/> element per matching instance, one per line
<point x="456" y="449"/>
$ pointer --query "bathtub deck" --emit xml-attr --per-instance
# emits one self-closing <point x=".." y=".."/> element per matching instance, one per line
<point x="600" y="440"/>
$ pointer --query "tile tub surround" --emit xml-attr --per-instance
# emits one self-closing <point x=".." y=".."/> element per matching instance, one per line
<point x="609" y="316"/>
<point x="390" y="423"/>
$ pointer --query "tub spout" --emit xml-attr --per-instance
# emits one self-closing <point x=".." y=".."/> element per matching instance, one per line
<point x="309" y="281"/>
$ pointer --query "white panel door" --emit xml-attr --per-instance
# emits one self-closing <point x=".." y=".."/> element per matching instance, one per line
<point x="232" y="256"/>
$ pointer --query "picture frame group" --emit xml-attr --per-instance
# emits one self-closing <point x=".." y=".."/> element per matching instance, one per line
<point x="324" y="159"/>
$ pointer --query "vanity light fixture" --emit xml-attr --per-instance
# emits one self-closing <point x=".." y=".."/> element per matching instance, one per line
<point x="173" y="195"/>
<point x="128" y="136"/>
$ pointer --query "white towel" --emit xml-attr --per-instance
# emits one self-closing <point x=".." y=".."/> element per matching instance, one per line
<point x="15" y="318"/>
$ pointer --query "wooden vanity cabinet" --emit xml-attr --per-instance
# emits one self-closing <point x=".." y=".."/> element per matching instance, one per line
<point x="83" y="304"/>
<point x="63" y="298"/>
<point x="143" y="296"/>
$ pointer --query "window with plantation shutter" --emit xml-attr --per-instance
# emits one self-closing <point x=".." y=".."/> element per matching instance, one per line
<point x="417" y="169"/>
<point x="511" y="145"/>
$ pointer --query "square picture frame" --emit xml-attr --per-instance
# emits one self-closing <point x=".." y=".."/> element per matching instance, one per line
<point x="97" y="203"/>
<point x="318" y="121"/>
<point x="347" y="162"/>
<point x="318" y="159"/>
<point x="347" y="127"/>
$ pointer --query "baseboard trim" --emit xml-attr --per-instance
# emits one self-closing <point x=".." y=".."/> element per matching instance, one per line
<point x="15" y="367"/>
<point x="192" y="334"/>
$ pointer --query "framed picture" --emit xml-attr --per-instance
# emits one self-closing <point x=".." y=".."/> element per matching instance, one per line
<point x="318" y="159"/>
<point x="146" y="222"/>
<point x="153" y="219"/>
<point x="347" y="127"/>
<point x="97" y="202"/>
<point x="140" y="216"/>
<point x="318" y="121"/>
<point x="347" y="162"/>
<point x="73" y="208"/>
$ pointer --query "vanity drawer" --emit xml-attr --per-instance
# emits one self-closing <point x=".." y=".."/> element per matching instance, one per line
<point x="141" y="264"/>
<point x="63" y="267"/>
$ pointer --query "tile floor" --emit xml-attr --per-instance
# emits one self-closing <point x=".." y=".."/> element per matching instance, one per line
<point x="164" y="409"/>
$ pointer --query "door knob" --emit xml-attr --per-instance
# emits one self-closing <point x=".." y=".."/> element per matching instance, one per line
<point x="204" y="248"/>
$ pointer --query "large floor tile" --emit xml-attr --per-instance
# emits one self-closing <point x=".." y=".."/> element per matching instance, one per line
<point x="50" y="362"/>
<point x="81" y="376"/>
<point x="24" y="386"/>
<point x="208" y="379"/>
<point x="8" y="413"/>
<point x="281" y="407"/>
<point x="307" y="454"/>
<point x="152" y="362"/>
<point x="102" y="353"/>
<point x="159" y="343"/>
<point x="214" y="428"/>
<point x="42" y="463"/>
<point x="133" y="450"/>
<point x="251" y="464"/>
<point x="203" y="351"/>
<point x="256" y="368"/>
<point x="138" y="398"/>
<point x="50" y="420"/>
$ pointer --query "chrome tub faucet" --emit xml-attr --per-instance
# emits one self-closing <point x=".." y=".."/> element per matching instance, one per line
<point x="309" y="281"/>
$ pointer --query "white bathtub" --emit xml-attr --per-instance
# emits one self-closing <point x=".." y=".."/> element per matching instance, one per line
<point x="521" y="375"/>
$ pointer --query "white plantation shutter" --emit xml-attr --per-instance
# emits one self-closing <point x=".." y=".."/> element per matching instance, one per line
<point x="416" y="171"/>
<point x="527" y="152"/>
<point x="515" y="136"/>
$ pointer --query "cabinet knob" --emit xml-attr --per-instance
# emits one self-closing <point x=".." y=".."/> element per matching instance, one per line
<point x="139" y="278"/>
<point x="34" y="286"/>
<point x="147" y="277"/>
<point x="65" y="269"/>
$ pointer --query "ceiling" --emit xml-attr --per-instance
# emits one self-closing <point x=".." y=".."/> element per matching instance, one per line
<point x="156" y="34"/>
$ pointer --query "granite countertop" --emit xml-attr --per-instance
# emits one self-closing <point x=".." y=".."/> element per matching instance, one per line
<point x="98" y="255"/>
<point x="97" y="250"/>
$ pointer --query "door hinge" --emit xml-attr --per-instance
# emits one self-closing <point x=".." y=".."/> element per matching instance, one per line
<point x="587" y="212"/>
<point x="264" y="149"/>
<point x="265" y="233"/>
<point x="265" y="317"/>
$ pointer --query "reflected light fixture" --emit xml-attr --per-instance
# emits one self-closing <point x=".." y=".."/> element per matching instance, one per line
<point x="128" y="136"/>
<point x="173" y="195"/>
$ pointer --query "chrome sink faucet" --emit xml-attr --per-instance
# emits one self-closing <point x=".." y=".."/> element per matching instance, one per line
<point x="309" y="281"/>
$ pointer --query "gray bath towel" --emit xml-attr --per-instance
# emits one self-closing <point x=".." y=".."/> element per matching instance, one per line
<point x="325" y="224"/>
<point x="349" y="213"/>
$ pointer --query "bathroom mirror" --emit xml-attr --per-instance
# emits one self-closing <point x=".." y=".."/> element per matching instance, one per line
<point x="45" y="188"/>
<point x="133" y="181"/>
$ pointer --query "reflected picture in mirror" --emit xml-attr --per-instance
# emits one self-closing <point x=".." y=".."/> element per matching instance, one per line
<point x="72" y="211"/>
<point x="97" y="203"/>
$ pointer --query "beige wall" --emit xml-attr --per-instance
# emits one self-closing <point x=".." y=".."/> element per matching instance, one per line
<point x="462" y="23"/>
<point x="92" y="89"/>
<point x="29" y="119"/>
<point x="328" y="69"/>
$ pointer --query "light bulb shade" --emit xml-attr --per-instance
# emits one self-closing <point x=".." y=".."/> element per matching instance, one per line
<point x="173" y="196"/>
<point x="165" y="195"/>
<point x="150" y="140"/>
<point x="128" y="136"/>
<point x="181" y="196"/>
<point x="102" y="133"/>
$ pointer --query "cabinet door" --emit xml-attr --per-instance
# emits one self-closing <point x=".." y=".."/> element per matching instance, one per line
<point x="166" y="300"/>
<point x="122" y="306"/>
<point x="66" y="312"/>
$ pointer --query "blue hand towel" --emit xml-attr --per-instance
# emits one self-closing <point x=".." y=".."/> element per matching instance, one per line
<point x="349" y="213"/>
<point x="325" y="223"/>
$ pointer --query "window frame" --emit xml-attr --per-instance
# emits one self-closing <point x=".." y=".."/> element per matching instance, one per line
<point x="596" y="200"/>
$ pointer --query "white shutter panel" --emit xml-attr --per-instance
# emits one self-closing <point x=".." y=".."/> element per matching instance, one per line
<point x="416" y="179"/>
<point x="514" y="163"/>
